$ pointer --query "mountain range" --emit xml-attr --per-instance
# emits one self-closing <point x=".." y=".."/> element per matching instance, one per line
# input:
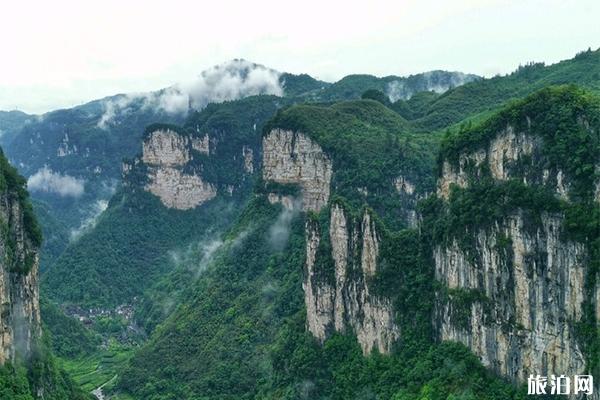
<point x="257" y="234"/>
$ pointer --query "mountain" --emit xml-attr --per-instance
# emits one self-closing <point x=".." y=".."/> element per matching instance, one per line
<point x="187" y="184"/>
<point x="10" y="123"/>
<point x="395" y="87"/>
<point x="307" y="245"/>
<point x="321" y="291"/>
<point x="487" y="95"/>
<point x="72" y="157"/>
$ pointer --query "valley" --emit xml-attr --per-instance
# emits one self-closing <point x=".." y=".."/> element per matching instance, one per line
<point x="435" y="236"/>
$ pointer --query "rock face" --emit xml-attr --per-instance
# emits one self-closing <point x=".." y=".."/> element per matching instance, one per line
<point x="530" y="284"/>
<point x="166" y="154"/>
<point x="344" y="300"/>
<point x="509" y="155"/>
<point x="292" y="158"/>
<point x="515" y="291"/>
<point x="19" y="290"/>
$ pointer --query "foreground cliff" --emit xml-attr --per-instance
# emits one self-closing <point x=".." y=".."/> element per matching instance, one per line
<point x="19" y="290"/>
<point x="28" y="370"/>
<point x="517" y="249"/>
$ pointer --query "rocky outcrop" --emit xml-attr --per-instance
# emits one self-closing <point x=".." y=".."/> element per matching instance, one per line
<point x="515" y="288"/>
<point x="345" y="301"/>
<point x="509" y="155"/>
<point x="293" y="158"/>
<point x="248" y="155"/>
<point x="530" y="289"/>
<point x="19" y="290"/>
<point x="65" y="148"/>
<point x="166" y="148"/>
<point x="166" y="154"/>
<point x="179" y="190"/>
<point x="404" y="186"/>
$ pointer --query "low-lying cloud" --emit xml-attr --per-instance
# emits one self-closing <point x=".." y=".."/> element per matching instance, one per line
<point x="229" y="81"/>
<point x="437" y="81"/>
<point x="48" y="181"/>
<point x="279" y="232"/>
<point x="91" y="219"/>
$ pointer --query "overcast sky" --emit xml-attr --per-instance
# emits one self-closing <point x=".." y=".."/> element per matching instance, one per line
<point x="62" y="53"/>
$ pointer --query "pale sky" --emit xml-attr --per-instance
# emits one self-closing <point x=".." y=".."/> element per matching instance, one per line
<point x="61" y="53"/>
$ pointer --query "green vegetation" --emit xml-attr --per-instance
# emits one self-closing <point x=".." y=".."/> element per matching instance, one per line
<point x="68" y="337"/>
<point x="490" y="94"/>
<point x="370" y="146"/>
<point x="223" y="305"/>
<point x="136" y="231"/>
<point x="98" y="369"/>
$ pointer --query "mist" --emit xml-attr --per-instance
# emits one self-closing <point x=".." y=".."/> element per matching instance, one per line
<point x="48" y="181"/>
<point x="233" y="80"/>
<point x="279" y="232"/>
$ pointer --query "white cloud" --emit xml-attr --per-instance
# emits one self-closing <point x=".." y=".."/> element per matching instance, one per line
<point x="46" y="180"/>
<point x="92" y="218"/>
<point x="93" y="50"/>
<point x="229" y="81"/>
<point x="433" y="81"/>
<point x="279" y="232"/>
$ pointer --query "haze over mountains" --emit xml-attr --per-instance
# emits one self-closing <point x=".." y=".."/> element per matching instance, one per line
<point x="258" y="234"/>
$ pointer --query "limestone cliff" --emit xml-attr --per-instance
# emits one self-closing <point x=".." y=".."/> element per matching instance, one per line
<point x="511" y="154"/>
<point x="166" y="153"/>
<point x="19" y="291"/>
<point x="515" y="289"/>
<point x="345" y="301"/>
<point x="530" y="288"/>
<point x="185" y="168"/>
<point x="293" y="158"/>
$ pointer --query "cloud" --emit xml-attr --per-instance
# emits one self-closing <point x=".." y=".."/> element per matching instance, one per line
<point x="436" y="81"/>
<point x="112" y="108"/>
<point x="46" y="180"/>
<point x="229" y="81"/>
<point x="92" y="218"/>
<point x="279" y="232"/>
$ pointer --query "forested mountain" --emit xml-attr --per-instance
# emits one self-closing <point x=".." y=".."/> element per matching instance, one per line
<point x="348" y="298"/>
<point x="428" y="237"/>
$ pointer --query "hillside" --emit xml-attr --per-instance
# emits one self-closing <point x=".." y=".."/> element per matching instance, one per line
<point x="324" y="294"/>
<point x="485" y="95"/>
<point x="133" y="241"/>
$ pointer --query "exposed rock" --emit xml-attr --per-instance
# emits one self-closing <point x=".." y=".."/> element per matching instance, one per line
<point x="65" y="148"/>
<point x="347" y="302"/>
<point x="286" y="201"/>
<point x="202" y="144"/>
<point x="292" y="158"/>
<point x="533" y="283"/>
<point x="166" y="153"/>
<point x="248" y="155"/>
<point x="508" y="147"/>
<point x="403" y="185"/>
<point x="318" y="297"/>
<point x="450" y="176"/>
<point x="509" y="155"/>
<point x="19" y="290"/>
<point x="177" y="189"/>
<point x="166" y="148"/>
